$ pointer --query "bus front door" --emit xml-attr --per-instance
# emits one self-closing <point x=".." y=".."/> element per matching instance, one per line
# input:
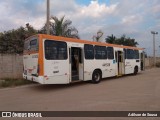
<point x="76" y="64"/>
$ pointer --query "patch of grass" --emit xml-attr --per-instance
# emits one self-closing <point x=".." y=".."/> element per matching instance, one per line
<point x="13" y="82"/>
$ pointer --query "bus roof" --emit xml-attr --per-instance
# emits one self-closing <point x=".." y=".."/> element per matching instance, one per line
<point x="59" y="38"/>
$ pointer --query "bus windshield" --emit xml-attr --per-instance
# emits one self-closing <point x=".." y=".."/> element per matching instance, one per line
<point x="31" y="45"/>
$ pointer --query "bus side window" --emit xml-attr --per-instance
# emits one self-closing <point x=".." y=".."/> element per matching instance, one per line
<point x="100" y="52"/>
<point x="136" y="54"/>
<point x="110" y="52"/>
<point x="130" y="54"/>
<point x="89" y="51"/>
<point x="33" y="45"/>
<point x="55" y="50"/>
<point x="61" y="54"/>
<point x="125" y="53"/>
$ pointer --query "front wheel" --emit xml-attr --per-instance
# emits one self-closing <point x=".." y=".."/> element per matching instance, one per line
<point x="96" y="77"/>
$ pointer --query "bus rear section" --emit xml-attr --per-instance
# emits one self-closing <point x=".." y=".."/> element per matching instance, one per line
<point x="30" y="59"/>
<point x="46" y="60"/>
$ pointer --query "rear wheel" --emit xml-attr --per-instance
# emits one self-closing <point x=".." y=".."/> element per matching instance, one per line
<point x="135" y="70"/>
<point x="96" y="76"/>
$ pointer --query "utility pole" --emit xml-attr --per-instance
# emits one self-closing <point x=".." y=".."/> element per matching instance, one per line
<point x="154" y="51"/>
<point x="159" y="51"/>
<point x="48" y="16"/>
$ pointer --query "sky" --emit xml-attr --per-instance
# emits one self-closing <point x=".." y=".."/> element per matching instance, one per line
<point x="134" y="18"/>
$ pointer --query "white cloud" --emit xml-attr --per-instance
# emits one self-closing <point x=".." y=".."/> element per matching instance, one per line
<point x="94" y="9"/>
<point x="135" y="18"/>
<point x="131" y="20"/>
<point x="155" y="11"/>
<point x="16" y="13"/>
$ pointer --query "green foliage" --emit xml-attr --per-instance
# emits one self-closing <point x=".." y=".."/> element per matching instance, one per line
<point x="61" y="27"/>
<point x="12" y="41"/>
<point x="111" y="39"/>
<point x="123" y="40"/>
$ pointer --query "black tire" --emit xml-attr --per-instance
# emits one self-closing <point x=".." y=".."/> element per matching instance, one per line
<point x="135" y="70"/>
<point x="96" y="76"/>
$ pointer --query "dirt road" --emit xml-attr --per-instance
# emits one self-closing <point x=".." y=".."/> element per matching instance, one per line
<point x="128" y="93"/>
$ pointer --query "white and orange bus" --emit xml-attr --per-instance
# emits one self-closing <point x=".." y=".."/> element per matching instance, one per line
<point x="58" y="60"/>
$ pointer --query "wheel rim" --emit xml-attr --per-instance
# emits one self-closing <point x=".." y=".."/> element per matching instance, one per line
<point x="97" y="77"/>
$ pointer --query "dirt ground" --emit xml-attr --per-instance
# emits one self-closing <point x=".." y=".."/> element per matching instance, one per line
<point x="127" y="93"/>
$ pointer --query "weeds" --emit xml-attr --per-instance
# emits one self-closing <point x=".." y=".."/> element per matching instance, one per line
<point x="13" y="82"/>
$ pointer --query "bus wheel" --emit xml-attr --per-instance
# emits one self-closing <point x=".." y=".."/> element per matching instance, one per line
<point x="135" y="70"/>
<point x="96" y="76"/>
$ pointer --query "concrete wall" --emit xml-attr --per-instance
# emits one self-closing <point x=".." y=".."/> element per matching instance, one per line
<point x="149" y="61"/>
<point x="11" y="66"/>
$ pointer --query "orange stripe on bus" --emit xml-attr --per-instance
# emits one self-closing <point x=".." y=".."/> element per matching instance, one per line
<point x="40" y="58"/>
<point x="44" y="36"/>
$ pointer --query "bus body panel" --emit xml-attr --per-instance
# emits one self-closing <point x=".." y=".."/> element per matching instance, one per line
<point x="108" y="69"/>
<point x="56" y="72"/>
<point x="39" y="79"/>
<point x="89" y="67"/>
<point x="30" y="58"/>
<point x="130" y="65"/>
<point x="30" y="63"/>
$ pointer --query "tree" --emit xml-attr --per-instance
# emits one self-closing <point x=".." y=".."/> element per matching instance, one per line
<point x="123" y="40"/>
<point x="98" y="36"/>
<point x="12" y="41"/>
<point x="111" y="39"/>
<point x="61" y="27"/>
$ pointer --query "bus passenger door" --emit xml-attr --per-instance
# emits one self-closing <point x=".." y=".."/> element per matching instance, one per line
<point x="76" y="64"/>
<point x="142" y="60"/>
<point x="120" y="63"/>
<point x="81" y="67"/>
